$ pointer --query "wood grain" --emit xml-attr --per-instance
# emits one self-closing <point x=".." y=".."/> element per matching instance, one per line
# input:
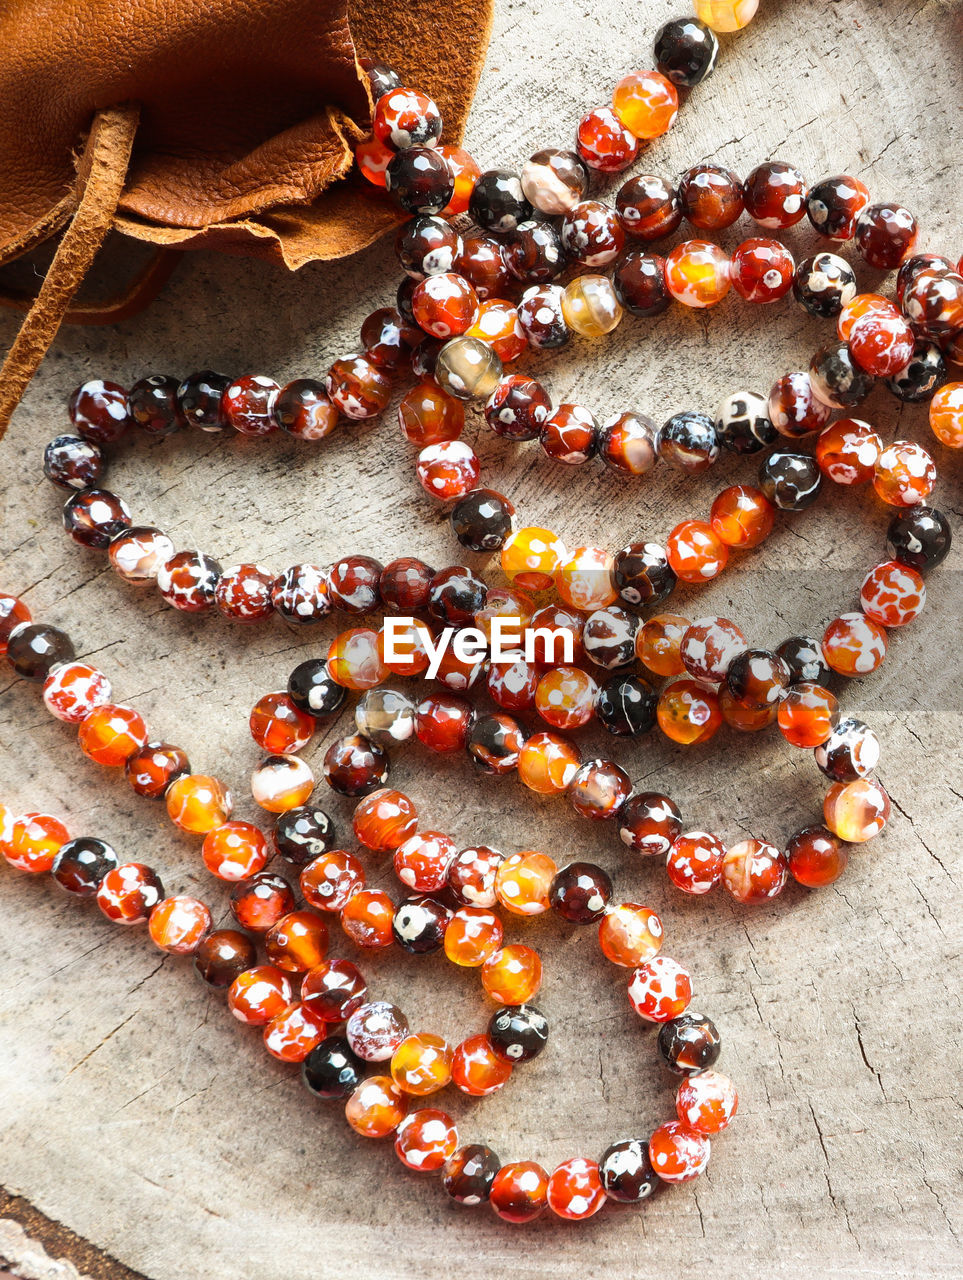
<point x="134" y="1111"/>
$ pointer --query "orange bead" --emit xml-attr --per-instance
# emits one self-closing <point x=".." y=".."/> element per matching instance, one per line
<point x="472" y="936"/>
<point x="111" y="733"/>
<point x="293" y="1033"/>
<point x="697" y="274"/>
<point x="298" y="942"/>
<point x="330" y="880"/>
<point x="695" y="551"/>
<point x="519" y="1192"/>
<point x="565" y="697"/>
<point x="355" y="659"/>
<point x="856" y="811"/>
<point x="376" y="1108"/>
<point x="129" y="893"/>
<point x="373" y="158"/>
<point x="498" y="324"/>
<point x="754" y="871"/>
<point x="706" y="1102"/>
<point x="408" y="653"/>
<point x="444" y="305"/>
<point x="742" y="517"/>
<point x="646" y="103"/>
<point x="384" y="820"/>
<point x="585" y="580"/>
<point x="6" y="830"/>
<point x="547" y="763"/>
<point x="531" y="556"/>
<point x="658" y="644"/>
<point x="847" y="451"/>
<point x="235" y="850"/>
<point x="178" y="925"/>
<point x="514" y="608"/>
<point x="854" y="645"/>
<point x="278" y="726"/>
<point x="946" y="415"/>
<point x="864" y="304"/>
<point x="466" y="173"/>
<point x="477" y="1069"/>
<point x="280" y="783"/>
<point x="428" y="415"/>
<point x="366" y="918"/>
<point x="33" y="841"/>
<point x="257" y="995"/>
<point x="421" y="862"/>
<point x="198" y="803"/>
<point x="904" y="475"/>
<point x="688" y="712"/>
<point x="746" y="719"/>
<point x="678" y="1153"/>
<point x="630" y="934"/>
<point x="660" y="989"/>
<point x="426" y="1139"/>
<point x="422" y="1064"/>
<point x="522" y="883"/>
<point x="512" y="975"/>
<point x="808" y="714"/>
<point x="575" y="1189"/>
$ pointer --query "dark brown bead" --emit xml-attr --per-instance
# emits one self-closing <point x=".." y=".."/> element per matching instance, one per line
<point x="420" y="179"/>
<point x="72" y="462"/>
<point x="404" y="585"/>
<point x="495" y="742"/>
<point x="199" y="400"/>
<point x="259" y="902"/>
<point x="640" y="285"/>
<point x="93" y="516"/>
<point x="153" y="767"/>
<point x="222" y="955"/>
<point x="98" y="411"/>
<point x="455" y="596"/>
<point x="353" y="584"/>
<point x="354" y="766"/>
<point x="468" y="1175"/>
<point x="35" y="648"/>
<point x="580" y="892"/>
<point x="649" y="207"/>
<point x="711" y="197"/>
<point x="154" y="406"/>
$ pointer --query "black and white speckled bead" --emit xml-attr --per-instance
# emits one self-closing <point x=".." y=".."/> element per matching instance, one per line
<point x="743" y="424"/>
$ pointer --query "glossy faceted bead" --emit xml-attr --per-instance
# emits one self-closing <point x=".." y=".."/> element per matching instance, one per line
<point x="518" y="1033"/>
<point x="375" y="1030"/>
<point x="742" y="423"/>
<point x="808" y="714"/>
<point x="626" y="1172"/>
<point x="404" y="584"/>
<point x="694" y="862"/>
<point x="590" y="306"/>
<point x="804" y="658"/>
<point x="580" y="892"/>
<point x="443" y="722"/>
<point x="34" y="841"/>
<point x="608" y="637"/>
<point x="905" y="474"/>
<point x="468" y="1175"/>
<point x="790" y="481"/>
<point x="199" y="399"/>
<point x="946" y="415"/>
<point x="640" y="285"/>
<point x="73" y="690"/>
<point x="70" y="462"/>
<point x="427" y="246"/>
<point x="555" y="635"/>
<point x="758" y="679"/>
<point x="421" y="1064"/>
<point x="642" y="574"/>
<point x="456" y="595"/>
<point x="658" y="644"/>
<point x="304" y="410"/>
<point x="468" y="369"/>
<point x="386" y="717"/>
<point x="599" y="789"/>
<point x="426" y="1139"/>
<point x="498" y="201"/>
<point x="575" y="1190"/>
<point x="243" y="593"/>
<point x="688" y="441"/>
<point x="824" y="285"/>
<point x="472" y="936"/>
<point x="754" y="871"/>
<point x="856" y="811"/>
<point x="354" y="584"/>
<point x="592" y="234"/>
<point x="836" y="380"/>
<point x="482" y="263"/>
<point x="604" y="143"/>
<point x="301" y="596"/>
<point x="129" y="893"/>
<point x="357" y="387"/>
<point x="535" y="251"/>
<point x="518" y="408"/>
<point x="554" y="181"/>
<point x="223" y="956"/>
<point x="921" y="376"/>
<point x="708" y="648"/>
<point x="649" y="823"/>
<point x="445" y="305"/>
<point x="695" y="552"/>
<point x="882" y="345"/>
<point x="541" y="317"/>
<point x="816" y="857"/>
<point x="851" y="751"/>
<point x="406" y="118"/>
<point x="110" y="734"/>
<point x="512" y="975"/>
<point x="847" y="451"/>
<point x="627" y="444"/>
<point x="153" y="406"/>
<point x="137" y="554"/>
<point x="333" y="990"/>
<point x="13" y="614"/>
<point x="920" y="537"/>
<point x="292" y="1034"/>
<point x="584" y="579"/>
<point x="331" y="1070"/>
<point x="523" y="881"/>
<point x="892" y="594"/>
<point x="178" y="925"/>
<point x="630" y="934"/>
<point x="742" y="517"/>
<point x="570" y="435"/>
<point x="688" y="712"/>
<point x="886" y="235"/>
<point x="697" y="273"/>
<point x="726" y="15"/>
<point x="471" y="875"/>
<point x="626" y="705"/>
<point x="678" y="1153"/>
<point x="330" y="880"/>
<point x="98" y="411"/>
<point x="259" y="994"/>
<point x="258" y="903"/>
<point x="794" y="409"/>
<point x="376" y="1107"/>
<point x="248" y="405"/>
<point x="198" y="803"/>
<point x="353" y="766"/>
<point x="152" y="768"/>
<point x="280" y="783"/>
<point x="834" y="206"/>
<point x="933" y="303"/>
<point x="547" y="763"/>
<point x="497" y="323"/>
<point x="689" y="1044"/>
<point x="648" y="207"/>
<point x="494" y="743"/>
<point x="476" y="1068"/>
<point x="854" y="645"/>
<point x="384" y="820"/>
<point x="367" y="918"/>
<point x="686" y="51"/>
<point x="79" y="865"/>
<point x="278" y="726"/>
<point x="297" y="942"/>
<point x="646" y="103"/>
<point x="530" y="558"/>
<point x="706" y="1102"/>
<point x="762" y="271"/>
<point x="35" y="649"/>
<point x="745" y="718"/>
<point x="465" y="172"/>
<point x="235" y="850"/>
<point x="711" y="197"/>
<point x="387" y="338"/>
<point x="660" y="989"/>
<point x="302" y="834"/>
<point x="775" y="195"/>
<point x="93" y="516"/>
<point x="187" y="581"/>
<point x="519" y="1191"/>
<point x="419" y="924"/>
<point x="312" y="690"/>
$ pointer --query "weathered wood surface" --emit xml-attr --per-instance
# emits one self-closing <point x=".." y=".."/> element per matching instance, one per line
<point x="136" y="1112"/>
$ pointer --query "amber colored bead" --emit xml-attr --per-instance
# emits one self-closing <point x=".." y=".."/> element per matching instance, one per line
<point x="847" y="451"/>
<point x="660" y="989"/>
<point x="334" y="990"/>
<point x="304" y="411"/>
<point x="298" y="942"/>
<point x="259" y="994"/>
<point x="477" y="1069"/>
<point x="697" y="274"/>
<point x="357" y="387"/>
<point x="646" y="103"/>
<point x="93" y="517"/>
<point x="129" y="893"/>
<point x="648" y="207"/>
<point x="808" y="714"/>
<point x="754" y="871"/>
<point x="483" y="264"/>
<point x="648" y="823"/>
<point x="426" y="1139"/>
<point x="519" y="1192"/>
<point x="688" y="713"/>
<point x="856" y="811"/>
<point x="658" y="643"/>
<point x="530" y="558"/>
<point x="565" y="697"/>
<point x="280" y="783"/>
<point x="198" y="803"/>
<point x="744" y="718"/>
<point x="366" y="918"/>
<point x="854" y="645"/>
<point x="742" y="517"/>
<point x="678" y="1153"/>
<point x="816" y="857"/>
<point x="421" y="861"/>
<point x="547" y="763"/>
<point x="726" y="15"/>
<point x="443" y="721"/>
<point x="329" y="881"/>
<point x="946" y="415"/>
<point x="445" y="305"/>
<point x="384" y="820"/>
<point x="630" y="934"/>
<point x="34" y="841"/>
<point x="404" y="585"/>
<point x="575" y="1190"/>
<point x="471" y="875"/>
<point x="523" y="881"/>
<point x="111" y="733"/>
<point x="222" y="956"/>
<point x="513" y="974"/>
<point x="590" y="306"/>
<point x="179" y="924"/>
<point x="355" y="659"/>
<point x="465" y="172"/>
<point x="472" y="936"/>
<point x="599" y="790"/>
<point x="695" y="552"/>
<point x="905" y="474"/>
<point x="762" y="271"/>
<point x="293" y="1033"/>
<point x="883" y="345"/>
<point x="758" y="679"/>
<point x="775" y="195"/>
<point x="711" y="197"/>
<point x="421" y="1064"/>
<point x="278" y="726"/>
<point x="13" y="613"/>
<point x="794" y="409"/>
<point x="694" y="863"/>
<point x="80" y="864"/>
<point x="258" y="903"/>
<point x="137" y="554"/>
<point x="603" y="142"/>
<point x="376" y="1107"/>
<point x="153" y="767"/>
<point x="497" y="323"/>
<point x="706" y="1102"/>
<point x="709" y="647"/>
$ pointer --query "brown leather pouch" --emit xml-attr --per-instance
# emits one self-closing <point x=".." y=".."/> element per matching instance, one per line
<point x="222" y="124"/>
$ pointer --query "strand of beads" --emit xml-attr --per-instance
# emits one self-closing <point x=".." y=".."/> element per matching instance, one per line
<point x="333" y="992"/>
